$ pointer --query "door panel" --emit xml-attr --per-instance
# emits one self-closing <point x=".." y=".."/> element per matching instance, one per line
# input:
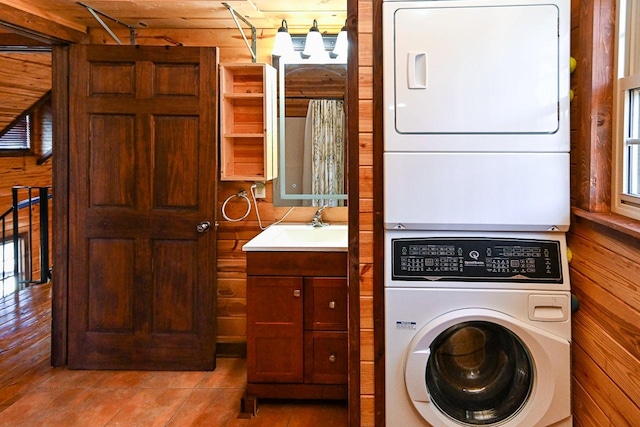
<point x="111" y="290"/>
<point x="174" y="286"/>
<point x="111" y="144"/>
<point x="142" y="177"/>
<point x="176" y="147"/>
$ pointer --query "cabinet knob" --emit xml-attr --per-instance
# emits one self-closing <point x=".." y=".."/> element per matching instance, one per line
<point x="332" y="304"/>
<point x="296" y="293"/>
<point x="332" y="357"/>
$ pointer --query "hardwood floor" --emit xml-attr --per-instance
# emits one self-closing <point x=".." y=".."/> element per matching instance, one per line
<point x="32" y="393"/>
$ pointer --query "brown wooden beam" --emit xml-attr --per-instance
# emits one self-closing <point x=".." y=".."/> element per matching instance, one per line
<point x="594" y="94"/>
<point x="27" y="19"/>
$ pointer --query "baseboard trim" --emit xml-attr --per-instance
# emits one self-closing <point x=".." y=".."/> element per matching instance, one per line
<point x="231" y="349"/>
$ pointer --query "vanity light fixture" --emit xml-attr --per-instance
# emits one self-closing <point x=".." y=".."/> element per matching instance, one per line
<point x="283" y="46"/>
<point x="314" y="45"/>
<point x="341" y="47"/>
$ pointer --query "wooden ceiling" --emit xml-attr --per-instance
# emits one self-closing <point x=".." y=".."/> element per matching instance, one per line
<point x="263" y="14"/>
<point x="25" y="77"/>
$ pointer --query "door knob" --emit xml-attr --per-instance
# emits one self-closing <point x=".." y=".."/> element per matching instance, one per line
<point x="203" y="227"/>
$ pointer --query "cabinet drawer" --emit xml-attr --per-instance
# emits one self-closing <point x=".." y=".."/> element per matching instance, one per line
<point x="325" y="303"/>
<point x="321" y="264"/>
<point x="325" y="357"/>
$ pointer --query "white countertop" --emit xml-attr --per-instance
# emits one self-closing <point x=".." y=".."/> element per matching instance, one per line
<point x="300" y="238"/>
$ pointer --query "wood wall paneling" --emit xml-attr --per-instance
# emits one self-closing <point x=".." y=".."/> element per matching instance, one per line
<point x="606" y="329"/>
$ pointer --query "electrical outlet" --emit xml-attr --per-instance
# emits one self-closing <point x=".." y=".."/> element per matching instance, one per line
<point x="260" y="190"/>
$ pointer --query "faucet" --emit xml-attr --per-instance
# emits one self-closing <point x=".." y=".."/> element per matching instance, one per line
<point x="317" y="218"/>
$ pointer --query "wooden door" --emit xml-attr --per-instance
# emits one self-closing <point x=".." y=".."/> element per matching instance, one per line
<point x="142" y="177"/>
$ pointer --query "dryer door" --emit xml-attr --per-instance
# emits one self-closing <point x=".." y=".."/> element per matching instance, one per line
<point x="479" y="367"/>
<point x="476" y="68"/>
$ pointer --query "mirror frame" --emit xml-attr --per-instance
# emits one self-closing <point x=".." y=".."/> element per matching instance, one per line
<point x="282" y="62"/>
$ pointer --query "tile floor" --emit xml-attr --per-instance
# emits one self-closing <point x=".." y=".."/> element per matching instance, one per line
<point x="139" y="398"/>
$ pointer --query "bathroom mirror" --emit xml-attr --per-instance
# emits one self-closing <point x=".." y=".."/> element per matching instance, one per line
<point x="312" y="133"/>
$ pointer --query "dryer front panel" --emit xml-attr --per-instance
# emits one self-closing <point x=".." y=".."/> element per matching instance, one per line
<point x="477" y="191"/>
<point x="476" y="75"/>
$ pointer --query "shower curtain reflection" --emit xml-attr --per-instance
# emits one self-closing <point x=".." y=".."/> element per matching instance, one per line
<point x="324" y="151"/>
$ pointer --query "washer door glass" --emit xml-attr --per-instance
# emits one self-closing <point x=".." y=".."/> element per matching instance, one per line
<point x="479" y="373"/>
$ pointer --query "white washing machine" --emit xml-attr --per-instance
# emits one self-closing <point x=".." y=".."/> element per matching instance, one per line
<point x="477" y="329"/>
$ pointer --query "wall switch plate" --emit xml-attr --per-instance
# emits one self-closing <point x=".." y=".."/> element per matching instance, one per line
<point x="260" y="190"/>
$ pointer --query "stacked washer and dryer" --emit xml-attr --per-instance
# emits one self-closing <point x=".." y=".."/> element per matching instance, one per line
<point x="476" y="187"/>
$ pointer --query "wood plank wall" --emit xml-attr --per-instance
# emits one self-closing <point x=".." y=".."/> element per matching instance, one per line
<point x="367" y="213"/>
<point x="606" y="330"/>
<point x="605" y="269"/>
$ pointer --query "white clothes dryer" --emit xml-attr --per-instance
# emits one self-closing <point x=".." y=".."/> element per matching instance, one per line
<point x="477" y="330"/>
<point x="476" y="114"/>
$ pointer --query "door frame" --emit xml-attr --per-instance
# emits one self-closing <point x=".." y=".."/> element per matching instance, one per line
<point x="353" y="217"/>
<point x="60" y="274"/>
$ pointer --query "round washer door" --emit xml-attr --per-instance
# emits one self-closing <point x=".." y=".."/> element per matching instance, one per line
<point x="478" y="367"/>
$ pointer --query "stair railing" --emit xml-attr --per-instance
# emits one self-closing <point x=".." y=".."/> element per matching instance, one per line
<point x="18" y="229"/>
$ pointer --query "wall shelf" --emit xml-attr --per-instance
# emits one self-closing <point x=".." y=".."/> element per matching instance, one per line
<point x="248" y="143"/>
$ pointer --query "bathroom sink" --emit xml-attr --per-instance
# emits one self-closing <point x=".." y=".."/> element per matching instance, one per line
<point x="300" y="237"/>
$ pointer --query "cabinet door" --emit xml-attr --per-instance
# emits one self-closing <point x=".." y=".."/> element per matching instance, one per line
<point x="274" y="329"/>
<point x="325" y="302"/>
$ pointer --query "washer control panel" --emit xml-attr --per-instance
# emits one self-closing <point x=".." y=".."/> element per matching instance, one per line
<point x="476" y="259"/>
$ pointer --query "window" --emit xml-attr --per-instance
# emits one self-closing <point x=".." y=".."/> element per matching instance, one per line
<point x="626" y="158"/>
<point x="18" y="135"/>
<point x="8" y="282"/>
<point x="31" y="132"/>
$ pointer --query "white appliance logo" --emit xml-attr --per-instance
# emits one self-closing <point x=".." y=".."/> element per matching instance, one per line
<point x="475" y="256"/>
<point x="405" y="326"/>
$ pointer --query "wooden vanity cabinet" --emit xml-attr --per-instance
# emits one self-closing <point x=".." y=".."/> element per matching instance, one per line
<point x="297" y="325"/>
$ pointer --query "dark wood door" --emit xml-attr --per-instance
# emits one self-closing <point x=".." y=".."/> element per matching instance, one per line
<point x="142" y="177"/>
